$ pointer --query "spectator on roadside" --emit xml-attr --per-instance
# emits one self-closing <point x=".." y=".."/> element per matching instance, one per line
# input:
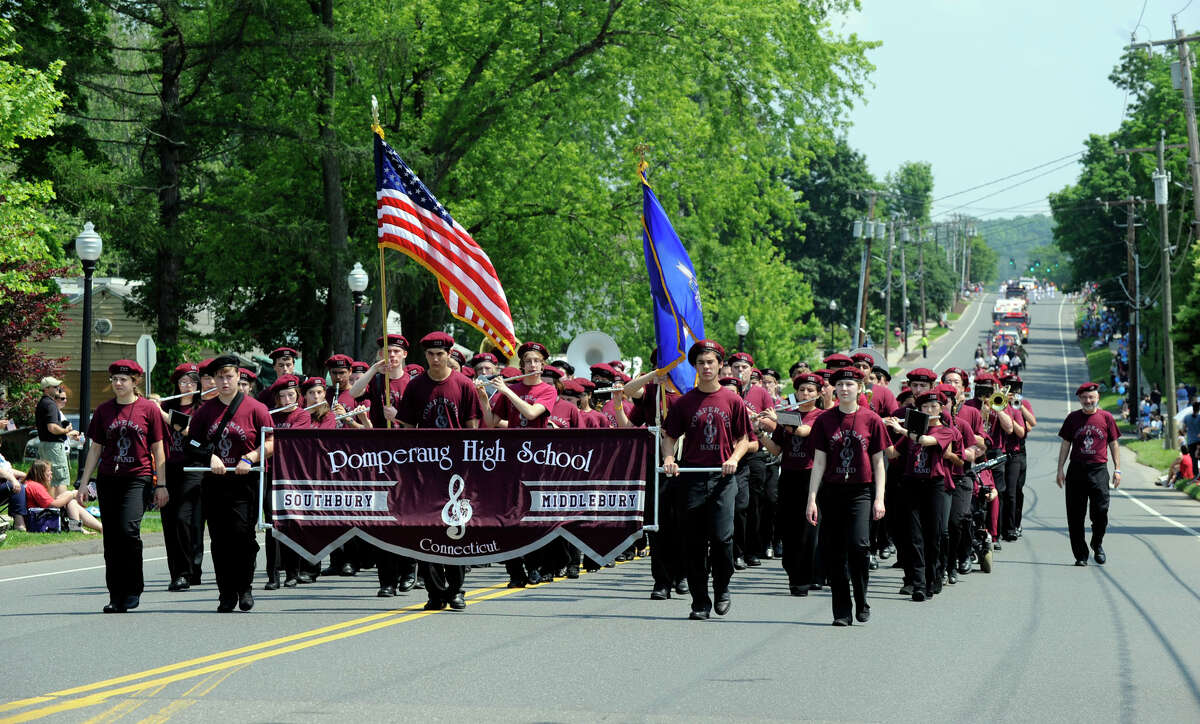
<point x="1181" y="395"/>
<point x="37" y="496"/>
<point x="1182" y="469"/>
<point x="1191" y="428"/>
<point x="12" y="493"/>
<point x="53" y="431"/>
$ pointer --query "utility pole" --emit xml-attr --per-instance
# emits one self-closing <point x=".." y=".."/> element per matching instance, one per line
<point x="1160" y="199"/>
<point x="887" y="291"/>
<point x="921" y="262"/>
<point x="861" y="322"/>
<point x="904" y="293"/>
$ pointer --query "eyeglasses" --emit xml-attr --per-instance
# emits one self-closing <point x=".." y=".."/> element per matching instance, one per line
<point x="61" y="397"/>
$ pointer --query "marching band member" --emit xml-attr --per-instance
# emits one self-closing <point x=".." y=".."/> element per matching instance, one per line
<point x="567" y="368"/>
<point x="880" y="398"/>
<point x="795" y="445"/>
<point x="589" y="407"/>
<point x="207" y="382"/>
<point x="1022" y="414"/>
<point x="458" y="360"/>
<point x="956" y="520"/>
<point x="995" y="425"/>
<point x="920" y="381"/>
<point x="232" y="423"/>
<point x="717" y="429"/>
<point x="1011" y="441"/>
<point x="565" y="413"/>
<point x="485" y="364"/>
<point x="246" y="381"/>
<point x="323" y="416"/>
<point x="441" y="398"/>
<point x="357" y="371"/>
<point x="755" y="536"/>
<point x="848" y="473"/>
<point x="182" y="518"/>
<point x="283" y="360"/>
<point x="126" y="451"/>
<point x="1089" y="435"/>
<point x="289" y="414"/>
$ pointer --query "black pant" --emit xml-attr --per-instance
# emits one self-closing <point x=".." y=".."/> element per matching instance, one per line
<point x="442" y="582"/>
<point x="896" y="519"/>
<point x="845" y="541"/>
<point x="741" y="508"/>
<point x="758" y="518"/>
<point x="925" y="503"/>
<point x="1014" y="471"/>
<point x="391" y="567"/>
<point x="122" y="501"/>
<point x="799" y="538"/>
<point x="1086" y="485"/>
<point x="709" y="500"/>
<point x="183" y="523"/>
<point x="770" y="504"/>
<point x="231" y="508"/>
<point x="1017" y="467"/>
<point x="960" y="531"/>
<point x="666" y="545"/>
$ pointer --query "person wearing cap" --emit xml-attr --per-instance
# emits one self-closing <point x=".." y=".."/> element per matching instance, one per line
<point x="1021" y="412"/>
<point x="970" y="424"/>
<point x="560" y="557"/>
<point x="715" y="427"/>
<point x="567" y="368"/>
<point x="879" y="397"/>
<point x="246" y="381"/>
<point x="995" y="424"/>
<point x="208" y="385"/>
<point x="848" y="474"/>
<point x="794" y="445"/>
<point x="607" y="376"/>
<point x="458" y="360"/>
<point x="52" y="431"/>
<point x="956" y="522"/>
<point x="440" y="398"/>
<point x="925" y="479"/>
<point x="565" y="413"/>
<point x="752" y="521"/>
<point x="313" y="399"/>
<point x="127" y="453"/>
<point x="338" y="367"/>
<point x="589" y="407"/>
<point x="1089" y="436"/>
<point x="525" y="403"/>
<point x="371" y="385"/>
<point x="287" y="414"/>
<point x="283" y="361"/>
<point x="229" y="494"/>
<point x="182" y="517"/>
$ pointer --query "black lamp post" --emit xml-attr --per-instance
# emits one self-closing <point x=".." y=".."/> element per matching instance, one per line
<point x="358" y="284"/>
<point x="88" y="246"/>
<point x="832" y="319"/>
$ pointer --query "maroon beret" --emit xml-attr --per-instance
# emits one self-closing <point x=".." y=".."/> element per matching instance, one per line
<point x="125" y="367"/>
<point x="863" y="357"/>
<point x="357" y="366"/>
<point x="1087" y="387"/>
<point x="930" y="397"/>
<point x="187" y="368"/>
<point x="838" y="360"/>
<point x="705" y="345"/>
<point x="534" y="346"/>
<point x="617" y="365"/>
<point x="846" y="373"/>
<point x="573" y="387"/>
<point x="312" y="382"/>
<point x="922" y="374"/>
<point x="741" y="357"/>
<point x="552" y="371"/>
<point x="904" y="392"/>
<point x="731" y="381"/>
<point x="413" y="369"/>
<point x="338" y="362"/>
<point x="468" y="371"/>
<point x="284" y="382"/>
<point x="278" y="352"/>
<point x="603" y="369"/>
<point x="586" y="386"/>
<point x="484" y="357"/>
<point x="824" y="373"/>
<point x="808" y="378"/>
<point x="393" y="340"/>
<point x="437" y="340"/>
<point x="246" y="374"/>
<point x="458" y="356"/>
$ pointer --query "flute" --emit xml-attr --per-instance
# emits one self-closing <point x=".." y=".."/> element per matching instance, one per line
<point x="481" y="381"/>
<point x="185" y="394"/>
<point x="294" y="404"/>
<point x="604" y="390"/>
<point x="356" y="411"/>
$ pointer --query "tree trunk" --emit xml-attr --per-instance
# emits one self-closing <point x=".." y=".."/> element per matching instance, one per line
<point x="339" y="305"/>
<point x="168" y="303"/>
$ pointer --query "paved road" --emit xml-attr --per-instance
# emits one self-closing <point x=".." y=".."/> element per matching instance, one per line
<point x="1037" y="640"/>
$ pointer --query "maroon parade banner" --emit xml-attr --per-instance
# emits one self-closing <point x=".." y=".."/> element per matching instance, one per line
<point x="459" y="496"/>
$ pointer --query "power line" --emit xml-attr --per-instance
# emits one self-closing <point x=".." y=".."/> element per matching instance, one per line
<point x="1005" y="178"/>
<point x="1009" y="188"/>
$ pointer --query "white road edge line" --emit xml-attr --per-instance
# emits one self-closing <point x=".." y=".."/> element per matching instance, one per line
<point x="978" y="306"/>
<point x="1067" y="380"/>
<point x="72" y="570"/>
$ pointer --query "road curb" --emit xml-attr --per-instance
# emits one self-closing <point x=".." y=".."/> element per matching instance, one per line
<point x="54" y="551"/>
<point x="1190" y="489"/>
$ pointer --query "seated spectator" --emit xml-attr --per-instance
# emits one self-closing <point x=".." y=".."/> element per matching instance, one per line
<point x="37" y="496"/>
<point x="1124" y="410"/>
<point x="1182" y="469"/>
<point x="1156" y="425"/>
<point x="12" y="493"/>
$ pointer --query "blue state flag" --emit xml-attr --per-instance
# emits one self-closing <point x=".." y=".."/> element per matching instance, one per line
<point x="678" y="317"/>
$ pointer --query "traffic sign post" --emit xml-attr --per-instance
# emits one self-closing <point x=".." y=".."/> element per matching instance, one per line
<point x="147" y="355"/>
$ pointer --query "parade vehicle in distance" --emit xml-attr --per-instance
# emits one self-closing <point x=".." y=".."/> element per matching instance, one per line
<point x="1011" y="308"/>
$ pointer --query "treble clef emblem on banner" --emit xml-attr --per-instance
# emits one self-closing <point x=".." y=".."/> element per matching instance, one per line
<point x="458" y="511"/>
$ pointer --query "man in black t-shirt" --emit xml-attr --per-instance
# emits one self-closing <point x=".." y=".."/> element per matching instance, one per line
<point x="53" y="431"/>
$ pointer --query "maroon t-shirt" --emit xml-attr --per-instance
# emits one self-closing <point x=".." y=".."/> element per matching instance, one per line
<point x="992" y="433"/>
<point x="241" y="435"/>
<point x="1089" y="435"/>
<point x="966" y="439"/>
<point x="610" y="411"/>
<point x="375" y="397"/>
<point x="596" y="420"/>
<point x="926" y="461"/>
<point x="1012" y="443"/>
<point x="757" y="399"/>
<point x="175" y="438"/>
<point x="796" y="451"/>
<point x="643" y="407"/>
<point x="327" y="422"/>
<point x="540" y="394"/>
<point x="849" y="441"/>
<point x="881" y="400"/>
<point x="449" y="403"/>
<point x="295" y="419"/>
<point x="713" y="421"/>
<point x="125" y="434"/>
<point x="565" y="414"/>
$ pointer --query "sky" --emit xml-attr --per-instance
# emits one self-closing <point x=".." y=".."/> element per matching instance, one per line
<point x="984" y="89"/>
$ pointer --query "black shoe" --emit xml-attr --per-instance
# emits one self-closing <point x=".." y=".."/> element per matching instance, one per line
<point x="698" y="615"/>
<point x="722" y="604"/>
<point x="132" y="602"/>
<point x="113" y="608"/>
<point x="842" y="621"/>
<point x="194" y="579"/>
<point x="873" y="563"/>
<point x="1010" y="537"/>
<point x="347" y="570"/>
<point x="814" y="586"/>
<point x="885" y="554"/>
<point x="739" y="564"/>
<point x="330" y="571"/>
<point x="457" y="603"/>
<point x="952" y="576"/>
<point x="572" y="571"/>
<point x="305" y="578"/>
<point x="906" y="589"/>
<point x="864" y="614"/>
<point x="272" y="584"/>
<point x="753" y="561"/>
<point x="246" y="601"/>
<point x="1098" y="552"/>
<point x="801" y="591"/>
<point x="515" y="583"/>
<point x="919" y="596"/>
<point x="1081" y="562"/>
<point x="681" y="587"/>
<point x="419" y="584"/>
<point x="660" y="594"/>
<point x="406" y="584"/>
<point x="290" y="582"/>
<point x="996" y="544"/>
<point x="434" y="605"/>
<point x="936" y="588"/>
<point x="227" y="603"/>
<point x="534" y="578"/>
<point x="386" y="592"/>
<point x="964" y="568"/>
<point x="179" y="584"/>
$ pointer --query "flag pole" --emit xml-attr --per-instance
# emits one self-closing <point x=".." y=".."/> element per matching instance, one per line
<point x="386" y="393"/>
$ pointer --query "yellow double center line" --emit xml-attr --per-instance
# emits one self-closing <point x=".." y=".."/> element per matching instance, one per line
<point x="97" y="693"/>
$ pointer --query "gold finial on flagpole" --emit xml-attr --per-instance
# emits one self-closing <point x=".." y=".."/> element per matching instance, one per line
<point x="375" y="116"/>
<point x="641" y="149"/>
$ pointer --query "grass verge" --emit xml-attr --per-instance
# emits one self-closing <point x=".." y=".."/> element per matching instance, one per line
<point x="151" y="523"/>
<point x="1151" y="454"/>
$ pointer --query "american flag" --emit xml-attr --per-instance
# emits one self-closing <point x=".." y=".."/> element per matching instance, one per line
<point x="413" y="222"/>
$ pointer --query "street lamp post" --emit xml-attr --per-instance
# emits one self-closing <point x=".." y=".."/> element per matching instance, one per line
<point x="742" y="327"/>
<point x="88" y="246"/>
<point x="904" y="326"/>
<point x="358" y="284"/>
<point x="832" y="319"/>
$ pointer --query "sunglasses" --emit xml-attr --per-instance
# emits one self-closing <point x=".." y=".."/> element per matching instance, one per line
<point x="60" y="397"/>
